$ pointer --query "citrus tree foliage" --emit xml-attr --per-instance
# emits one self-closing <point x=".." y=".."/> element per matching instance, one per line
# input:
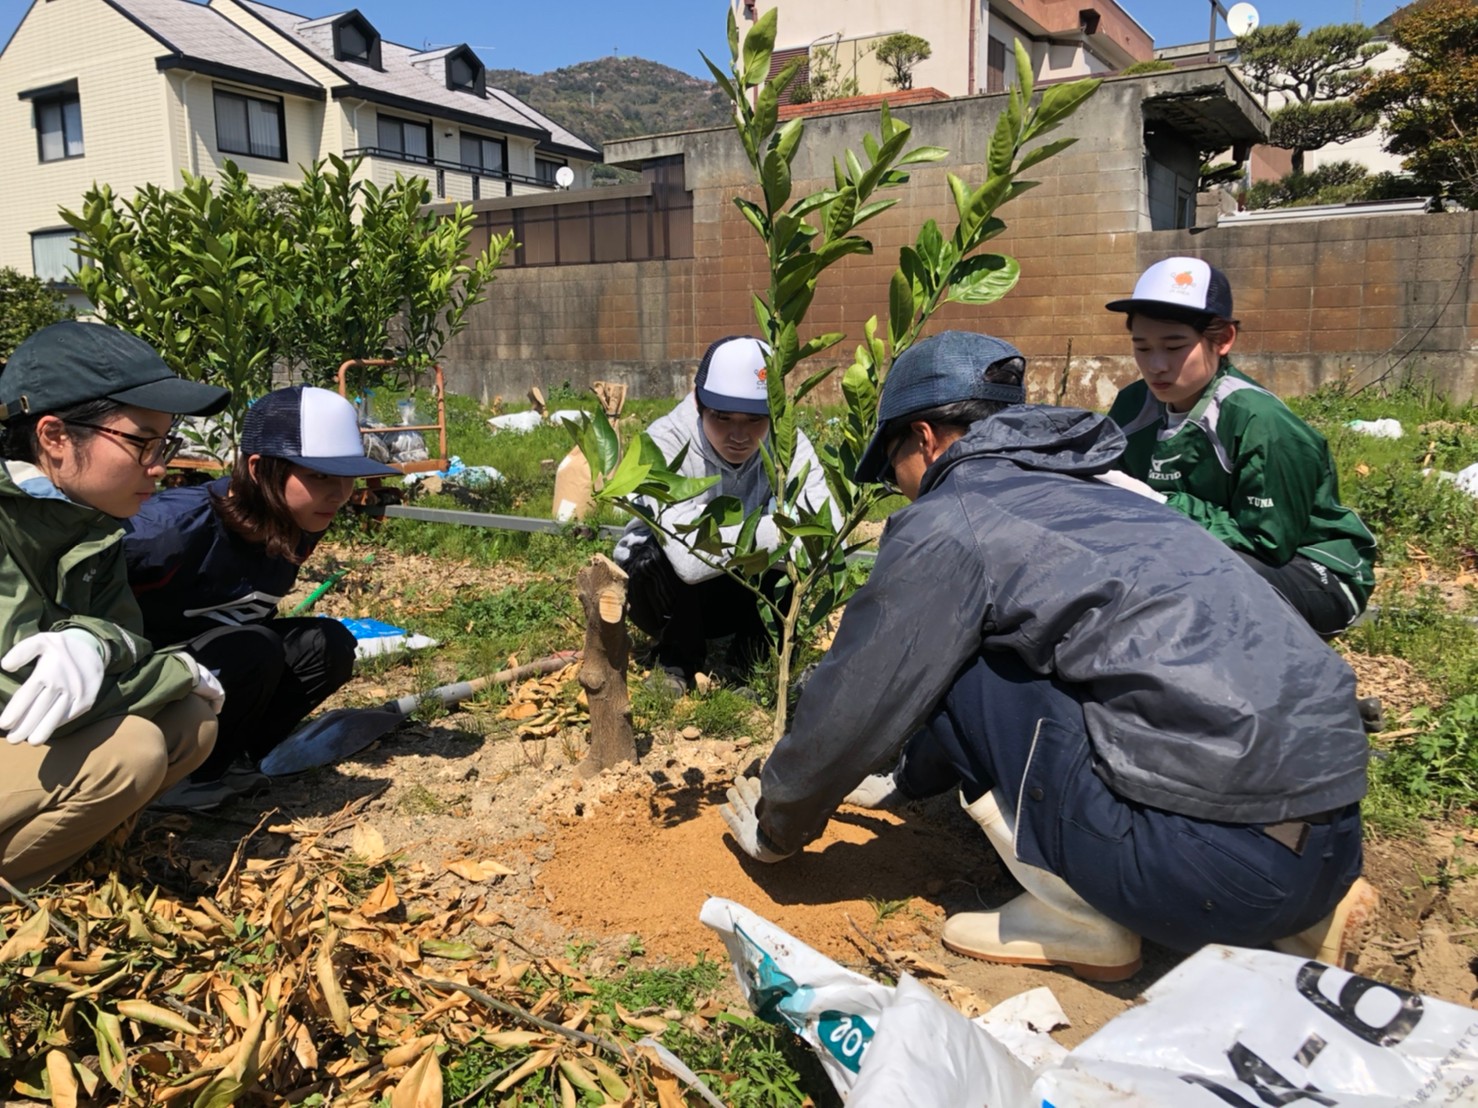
<point x="229" y="282"/>
<point x="803" y="236"/>
<point x="900" y="53"/>
<point x="1317" y="72"/>
<point x="1430" y="103"/>
<point x="27" y="304"/>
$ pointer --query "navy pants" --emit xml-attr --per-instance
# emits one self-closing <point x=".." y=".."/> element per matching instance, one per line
<point x="1177" y="881"/>
<point x="274" y="674"/>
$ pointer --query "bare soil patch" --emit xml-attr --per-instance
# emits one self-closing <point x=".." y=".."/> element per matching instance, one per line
<point x="633" y="852"/>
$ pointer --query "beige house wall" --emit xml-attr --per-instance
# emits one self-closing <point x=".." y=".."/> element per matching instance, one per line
<point x="125" y="116"/>
<point x="944" y="23"/>
<point x="849" y="26"/>
<point x="195" y="130"/>
<point x="141" y="126"/>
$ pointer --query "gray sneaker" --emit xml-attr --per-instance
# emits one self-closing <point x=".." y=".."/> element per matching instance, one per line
<point x="241" y="779"/>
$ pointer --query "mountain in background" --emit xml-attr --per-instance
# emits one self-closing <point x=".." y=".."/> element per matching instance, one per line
<point x="1385" y="25"/>
<point x="618" y="97"/>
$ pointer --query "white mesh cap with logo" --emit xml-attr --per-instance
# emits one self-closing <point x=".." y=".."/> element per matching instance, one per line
<point x="731" y="377"/>
<point x="1187" y="286"/>
<point x="310" y="427"/>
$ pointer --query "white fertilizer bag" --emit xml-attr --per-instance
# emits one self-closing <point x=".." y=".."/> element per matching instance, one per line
<point x="1246" y="1028"/>
<point x="881" y="1047"/>
<point x="1250" y="1028"/>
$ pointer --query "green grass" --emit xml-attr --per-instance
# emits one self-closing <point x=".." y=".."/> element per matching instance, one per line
<point x="1442" y="645"/>
<point x="719" y="713"/>
<point x="1382" y="479"/>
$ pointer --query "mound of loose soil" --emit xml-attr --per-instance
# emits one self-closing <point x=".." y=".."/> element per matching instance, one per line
<point x="645" y="864"/>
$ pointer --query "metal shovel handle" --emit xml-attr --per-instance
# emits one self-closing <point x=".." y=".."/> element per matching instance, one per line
<point x="462" y="690"/>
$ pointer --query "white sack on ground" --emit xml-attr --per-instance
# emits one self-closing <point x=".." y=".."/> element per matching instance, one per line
<point x="1377" y="428"/>
<point x="881" y="1047"/>
<point x="1251" y="1027"/>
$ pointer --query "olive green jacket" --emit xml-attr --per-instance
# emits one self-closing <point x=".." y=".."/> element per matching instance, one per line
<point x="61" y="566"/>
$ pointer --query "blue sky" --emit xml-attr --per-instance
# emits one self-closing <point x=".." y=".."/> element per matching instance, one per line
<point x="546" y="34"/>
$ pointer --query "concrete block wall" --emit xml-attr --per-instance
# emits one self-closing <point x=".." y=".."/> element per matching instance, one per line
<point x="1353" y="297"/>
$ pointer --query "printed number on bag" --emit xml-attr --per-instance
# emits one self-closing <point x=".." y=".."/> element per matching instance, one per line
<point x="845" y="1037"/>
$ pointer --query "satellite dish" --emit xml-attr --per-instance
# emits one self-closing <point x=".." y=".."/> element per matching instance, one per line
<point x="564" y="176"/>
<point x="1241" y="19"/>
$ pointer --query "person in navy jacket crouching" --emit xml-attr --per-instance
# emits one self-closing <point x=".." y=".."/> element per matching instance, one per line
<point x="209" y="565"/>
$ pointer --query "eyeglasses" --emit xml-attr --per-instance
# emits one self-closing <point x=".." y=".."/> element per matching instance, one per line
<point x="154" y="450"/>
<point x="889" y="477"/>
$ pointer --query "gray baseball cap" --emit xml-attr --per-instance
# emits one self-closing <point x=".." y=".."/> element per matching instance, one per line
<point x="942" y="369"/>
<point x="71" y="363"/>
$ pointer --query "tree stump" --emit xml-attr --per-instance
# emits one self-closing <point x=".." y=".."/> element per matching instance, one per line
<point x="601" y="587"/>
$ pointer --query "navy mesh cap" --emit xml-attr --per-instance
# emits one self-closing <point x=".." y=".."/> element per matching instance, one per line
<point x="943" y="369"/>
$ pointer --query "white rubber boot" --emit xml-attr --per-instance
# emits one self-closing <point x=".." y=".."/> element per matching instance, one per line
<point x="1048" y="925"/>
<point x="1339" y="937"/>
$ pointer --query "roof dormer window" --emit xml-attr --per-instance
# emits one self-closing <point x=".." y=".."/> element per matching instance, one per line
<point x="465" y="72"/>
<point x="459" y="73"/>
<point x="355" y="40"/>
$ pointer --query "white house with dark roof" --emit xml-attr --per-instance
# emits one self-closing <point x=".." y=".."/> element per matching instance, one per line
<point x="132" y="92"/>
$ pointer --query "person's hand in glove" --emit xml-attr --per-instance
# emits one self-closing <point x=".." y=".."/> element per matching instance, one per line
<point x="744" y="824"/>
<point x="66" y="680"/>
<point x="207" y="685"/>
<point x="878" y="790"/>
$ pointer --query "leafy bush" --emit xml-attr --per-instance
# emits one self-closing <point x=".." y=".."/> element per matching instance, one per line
<point x="27" y="304"/>
<point x="1401" y="506"/>
<point x="1438" y="766"/>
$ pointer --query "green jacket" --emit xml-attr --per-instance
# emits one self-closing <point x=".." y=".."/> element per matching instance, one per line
<point x="1251" y="472"/>
<point x="61" y="565"/>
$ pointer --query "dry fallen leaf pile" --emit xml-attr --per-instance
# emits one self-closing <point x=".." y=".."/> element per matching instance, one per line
<point x="293" y="980"/>
<point x="541" y="706"/>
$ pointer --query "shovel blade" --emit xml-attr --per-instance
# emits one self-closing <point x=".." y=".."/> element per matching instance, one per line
<point x="330" y="738"/>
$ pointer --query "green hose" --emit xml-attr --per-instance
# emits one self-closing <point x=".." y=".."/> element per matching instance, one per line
<point x="328" y="582"/>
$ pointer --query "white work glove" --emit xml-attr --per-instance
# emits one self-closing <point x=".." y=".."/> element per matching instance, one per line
<point x="878" y="790"/>
<point x="207" y="685"/>
<point x="744" y="824"/>
<point x="65" y="683"/>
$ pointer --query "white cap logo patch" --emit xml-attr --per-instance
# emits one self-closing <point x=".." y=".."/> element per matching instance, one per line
<point x="1175" y="279"/>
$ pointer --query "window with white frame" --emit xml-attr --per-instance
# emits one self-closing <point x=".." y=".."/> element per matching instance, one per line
<point x="54" y="255"/>
<point x="486" y="154"/>
<point x="59" y="126"/>
<point x="251" y="125"/>
<point x="406" y="137"/>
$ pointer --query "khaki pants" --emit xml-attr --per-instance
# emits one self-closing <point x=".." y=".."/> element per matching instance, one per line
<point x="59" y="799"/>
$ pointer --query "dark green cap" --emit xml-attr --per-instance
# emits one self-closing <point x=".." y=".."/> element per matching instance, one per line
<point x="71" y="363"/>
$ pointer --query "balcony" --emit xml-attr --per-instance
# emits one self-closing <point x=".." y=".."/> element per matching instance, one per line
<point x="448" y="180"/>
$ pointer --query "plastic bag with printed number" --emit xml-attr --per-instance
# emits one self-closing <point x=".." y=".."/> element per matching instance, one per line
<point x="1251" y="1027"/>
<point x="881" y="1046"/>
